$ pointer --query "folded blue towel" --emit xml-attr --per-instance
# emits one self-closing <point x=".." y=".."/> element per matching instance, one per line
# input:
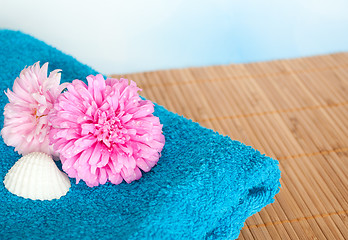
<point x="204" y="186"/>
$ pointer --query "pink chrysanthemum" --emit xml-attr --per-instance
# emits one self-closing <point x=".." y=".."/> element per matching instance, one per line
<point x="26" y="124"/>
<point x="105" y="131"/>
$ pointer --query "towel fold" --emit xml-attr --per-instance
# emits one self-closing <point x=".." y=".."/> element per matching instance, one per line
<point x="204" y="186"/>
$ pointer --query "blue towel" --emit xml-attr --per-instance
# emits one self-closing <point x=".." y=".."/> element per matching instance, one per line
<point x="204" y="186"/>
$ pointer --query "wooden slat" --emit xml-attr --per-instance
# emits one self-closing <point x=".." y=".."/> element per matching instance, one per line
<point x="293" y="110"/>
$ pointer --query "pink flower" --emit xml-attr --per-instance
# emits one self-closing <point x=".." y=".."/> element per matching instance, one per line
<point x="26" y="124"/>
<point x="105" y="131"/>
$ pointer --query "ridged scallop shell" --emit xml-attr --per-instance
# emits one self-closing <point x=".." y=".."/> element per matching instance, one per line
<point x="37" y="177"/>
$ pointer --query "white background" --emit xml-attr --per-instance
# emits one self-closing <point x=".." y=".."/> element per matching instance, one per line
<point x="137" y="35"/>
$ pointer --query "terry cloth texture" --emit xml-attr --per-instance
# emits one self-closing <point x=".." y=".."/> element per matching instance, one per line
<point x="204" y="186"/>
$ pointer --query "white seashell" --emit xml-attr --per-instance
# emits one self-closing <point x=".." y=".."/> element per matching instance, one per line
<point x="37" y="177"/>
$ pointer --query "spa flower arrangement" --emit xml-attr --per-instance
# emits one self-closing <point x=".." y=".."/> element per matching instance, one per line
<point x="101" y="131"/>
<point x="98" y="130"/>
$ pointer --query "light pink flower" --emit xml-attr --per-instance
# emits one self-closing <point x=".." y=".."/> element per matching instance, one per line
<point x="26" y="124"/>
<point x="105" y="131"/>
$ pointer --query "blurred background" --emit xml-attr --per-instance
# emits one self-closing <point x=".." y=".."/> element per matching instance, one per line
<point x="134" y="36"/>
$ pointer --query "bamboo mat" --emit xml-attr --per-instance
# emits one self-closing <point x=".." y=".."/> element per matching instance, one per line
<point x="293" y="110"/>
